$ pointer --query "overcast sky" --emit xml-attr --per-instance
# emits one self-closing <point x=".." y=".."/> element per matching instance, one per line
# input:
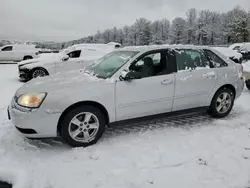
<point x="62" y="20"/>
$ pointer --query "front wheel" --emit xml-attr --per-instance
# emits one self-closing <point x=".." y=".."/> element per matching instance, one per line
<point x="83" y="126"/>
<point x="39" y="72"/>
<point x="222" y="103"/>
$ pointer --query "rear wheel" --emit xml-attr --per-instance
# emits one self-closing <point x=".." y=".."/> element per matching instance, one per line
<point x="222" y="103"/>
<point x="39" y="72"/>
<point x="83" y="126"/>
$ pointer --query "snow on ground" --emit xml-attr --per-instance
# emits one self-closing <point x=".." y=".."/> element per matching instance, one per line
<point x="246" y="66"/>
<point x="187" y="151"/>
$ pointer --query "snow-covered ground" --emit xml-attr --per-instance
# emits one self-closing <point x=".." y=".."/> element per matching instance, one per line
<point x="187" y="151"/>
<point x="246" y="66"/>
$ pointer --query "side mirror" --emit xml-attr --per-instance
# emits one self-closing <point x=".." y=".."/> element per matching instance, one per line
<point x="130" y="75"/>
<point x="65" y="57"/>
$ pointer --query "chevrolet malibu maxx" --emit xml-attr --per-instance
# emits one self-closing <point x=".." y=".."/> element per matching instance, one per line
<point x="129" y="83"/>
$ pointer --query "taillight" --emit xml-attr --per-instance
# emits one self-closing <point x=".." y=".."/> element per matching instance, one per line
<point x="242" y="69"/>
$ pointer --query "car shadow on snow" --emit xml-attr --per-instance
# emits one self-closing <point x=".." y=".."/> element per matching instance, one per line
<point x="186" y="122"/>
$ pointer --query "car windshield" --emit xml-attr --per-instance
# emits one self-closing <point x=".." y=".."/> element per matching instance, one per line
<point x="110" y="63"/>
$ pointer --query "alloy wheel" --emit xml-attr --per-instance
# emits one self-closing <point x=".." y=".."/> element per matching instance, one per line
<point x="38" y="73"/>
<point x="223" y="103"/>
<point x="83" y="127"/>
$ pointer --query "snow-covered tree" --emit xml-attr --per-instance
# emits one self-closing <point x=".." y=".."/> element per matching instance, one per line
<point x="191" y="25"/>
<point x="165" y="30"/>
<point x="226" y="36"/>
<point x="239" y="24"/>
<point x="204" y="27"/>
<point x="215" y="28"/>
<point x="178" y="31"/>
<point x="157" y="32"/>
<point x="143" y="31"/>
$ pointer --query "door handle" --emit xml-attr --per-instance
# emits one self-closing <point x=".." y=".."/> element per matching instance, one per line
<point x="166" y="82"/>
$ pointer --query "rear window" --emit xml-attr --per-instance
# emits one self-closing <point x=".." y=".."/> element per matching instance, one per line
<point x="215" y="59"/>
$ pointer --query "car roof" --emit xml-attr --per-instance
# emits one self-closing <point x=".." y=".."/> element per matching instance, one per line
<point x="161" y="47"/>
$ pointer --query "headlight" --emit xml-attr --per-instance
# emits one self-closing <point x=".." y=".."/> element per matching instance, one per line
<point x="31" y="100"/>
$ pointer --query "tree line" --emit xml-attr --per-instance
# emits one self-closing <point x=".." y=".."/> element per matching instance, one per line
<point x="203" y="27"/>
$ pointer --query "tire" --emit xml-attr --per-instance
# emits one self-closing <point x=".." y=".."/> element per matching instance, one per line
<point x="80" y="133"/>
<point x="226" y="107"/>
<point x="27" y="57"/>
<point x="38" y="72"/>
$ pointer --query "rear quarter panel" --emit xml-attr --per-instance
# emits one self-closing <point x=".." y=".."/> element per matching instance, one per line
<point x="227" y="76"/>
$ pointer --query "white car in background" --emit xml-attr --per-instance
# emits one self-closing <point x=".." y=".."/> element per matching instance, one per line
<point x="17" y="52"/>
<point x="73" y="58"/>
<point x="231" y="54"/>
<point x="236" y="46"/>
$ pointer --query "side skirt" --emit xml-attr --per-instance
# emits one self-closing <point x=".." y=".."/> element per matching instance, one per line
<point x="200" y="110"/>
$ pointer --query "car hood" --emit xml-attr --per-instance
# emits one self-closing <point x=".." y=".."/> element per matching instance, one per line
<point x="36" y="61"/>
<point x="63" y="81"/>
<point x="48" y="58"/>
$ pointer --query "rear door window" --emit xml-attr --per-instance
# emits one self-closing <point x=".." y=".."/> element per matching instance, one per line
<point x="188" y="59"/>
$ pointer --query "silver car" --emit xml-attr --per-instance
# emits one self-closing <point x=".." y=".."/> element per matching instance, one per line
<point x="129" y="83"/>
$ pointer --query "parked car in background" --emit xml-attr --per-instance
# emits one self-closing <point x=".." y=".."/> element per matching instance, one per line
<point x="245" y="51"/>
<point x="73" y="58"/>
<point x="17" y="52"/>
<point x="232" y="54"/>
<point x="128" y="83"/>
<point x="235" y="46"/>
<point x="243" y="48"/>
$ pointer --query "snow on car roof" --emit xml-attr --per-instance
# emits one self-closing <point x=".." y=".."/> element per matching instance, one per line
<point x="228" y="52"/>
<point x="159" y="47"/>
<point x="245" y="46"/>
<point x="234" y="45"/>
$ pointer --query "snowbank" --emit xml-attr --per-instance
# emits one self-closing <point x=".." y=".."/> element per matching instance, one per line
<point x="16" y="177"/>
<point x="246" y="66"/>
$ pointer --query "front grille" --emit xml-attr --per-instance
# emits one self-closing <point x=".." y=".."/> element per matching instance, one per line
<point x="26" y="131"/>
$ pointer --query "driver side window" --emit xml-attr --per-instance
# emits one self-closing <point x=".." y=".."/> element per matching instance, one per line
<point x="153" y="64"/>
<point x="74" y="54"/>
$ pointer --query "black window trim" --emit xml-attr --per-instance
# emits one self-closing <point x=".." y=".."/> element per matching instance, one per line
<point x="166" y="51"/>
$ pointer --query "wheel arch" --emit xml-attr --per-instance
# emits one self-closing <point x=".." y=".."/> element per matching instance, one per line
<point x="228" y="86"/>
<point x="27" y="56"/>
<point x="90" y="103"/>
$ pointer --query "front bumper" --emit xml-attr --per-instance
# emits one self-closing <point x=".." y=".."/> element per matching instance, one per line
<point x="33" y="124"/>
